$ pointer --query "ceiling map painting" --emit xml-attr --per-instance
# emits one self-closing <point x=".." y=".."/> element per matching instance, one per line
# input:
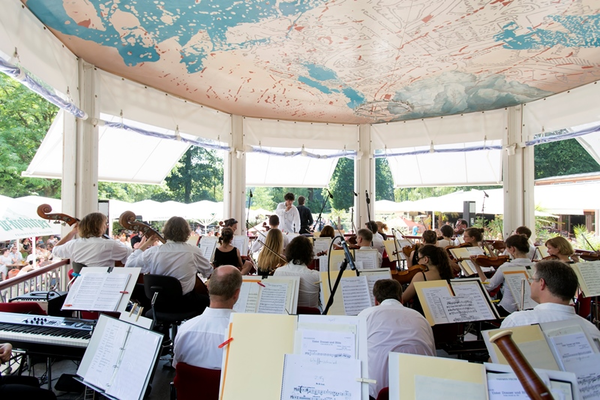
<point x="344" y="61"/>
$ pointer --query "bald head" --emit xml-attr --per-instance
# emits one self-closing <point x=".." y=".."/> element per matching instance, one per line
<point x="224" y="286"/>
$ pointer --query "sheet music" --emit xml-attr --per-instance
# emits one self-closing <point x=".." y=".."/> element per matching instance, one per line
<point x="273" y="298"/>
<point x="355" y="292"/>
<point x="475" y="251"/>
<point x="473" y="290"/>
<point x="321" y="244"/>
<point x="507" y="386"/>
<point x="570" y="344"/>
<point x="324" y="343"/>
<point x="590" y="274"/>
<point x="435" y="298"/>
<point x="368" y="258"/>
<point x="323" y="263"/>
<point x="320" y="378"/>
<point x="371" y="279"/>
<point x="434" y="388"/>
<point x="208" y="244"/>
<point x="241" y="243"/>
<point x="97" y="291"/>
<point x="587" y="370"/>
<point x="248" y="299"/>
<point x="112" y="344"/>
<point x="514" y="283"/>
<point x="468" y="267"/>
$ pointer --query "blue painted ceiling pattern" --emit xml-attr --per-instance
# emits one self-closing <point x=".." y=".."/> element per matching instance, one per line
<point x="345" y="61"/>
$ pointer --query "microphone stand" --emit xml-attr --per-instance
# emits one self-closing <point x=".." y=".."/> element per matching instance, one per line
<point x="322" y="208"/>
<point x="368" y="202"/>
<point x="248" y="212"/>
<point x="347" y="260"/>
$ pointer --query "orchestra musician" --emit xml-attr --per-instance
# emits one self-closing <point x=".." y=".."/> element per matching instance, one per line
<point x="230" y="223"/>
<point x="437" y="264"/>
<point x="91" y="249"/>
<point x="377" y="241"/>
<point x="364" y="241"/>
<point x="525" y="231"/>
<point x="517" y="247"/>
<point x="227" y="254"/>
<point x="327" y="231"/>
<point x="260" y="240"/>
<point x="429" y="237"/>
<point x="560" y="248"/>
<point x="446" y="240"/>
<point x="474" y="236"/>
<point x="175" y="258"/>
<point x="460" y="227"/>
<point x="288" y="214"/>
<point x="271" y="257"/>
<point x="299" y="254"/>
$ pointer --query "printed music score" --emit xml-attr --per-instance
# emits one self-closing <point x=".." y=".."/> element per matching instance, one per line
<point x="207" y="245"/>
<point x="321" y="343"/>
<point x="271" y="295"/>
<point x="97" y="291"/>
<point x="516" y="280"/>
<point x="588" y="274"/>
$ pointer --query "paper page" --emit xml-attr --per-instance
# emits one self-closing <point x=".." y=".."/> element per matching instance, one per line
<point x="514" y="283"/>
<point x="97" y="291"/>
<point x="505" y="386"/>
<point x="241" y="243"/>
<point x="110" y="349"/>
<point x="321" y="244"/>
<point x="432" y="388"/>
<point x="460" y="253"/>
<point x="390" y="249"/>
<point x="355" y="294"/>
<point x="131" y="380"/>
<point x="368" y="258"/>
<point x="571" y="346"/>
<point x="335" y="259"/>
<point x="323" y="263"/>
<point x="83" y="292"/>
<point x="587" y="370"/>
<point x="248" y="300"/>
<point x="273" y="298"/>
<point x="433" y="303"/>
<point x="320" y="378"/>
<point x="109" y="295"/>
<point x="472" y="290"/>
<point x="589" y="277"/>
<point x="324" y="343"/>
<point x="468" y="267"/>
<point x="208" y="244"/>
<point x="371" y="279"/>
<point x="475" y="251"/>
<point x="337" y="307"/>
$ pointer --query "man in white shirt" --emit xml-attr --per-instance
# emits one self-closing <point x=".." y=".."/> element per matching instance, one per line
<point x="197" y="342"/>
<point x="391" y="327"/>
<point x="289" y="217"/>
<point x="377" y="241"/>
<point x="554" y="285"/>
<point x="259" y="242"/>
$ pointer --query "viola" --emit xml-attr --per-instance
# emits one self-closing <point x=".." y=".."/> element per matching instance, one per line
<point x="128" y="221"/>
<point x="405" y="276"/>
<point x="407" y="250"/>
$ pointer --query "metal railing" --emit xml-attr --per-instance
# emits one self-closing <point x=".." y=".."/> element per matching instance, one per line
<point x="48" y="278"/>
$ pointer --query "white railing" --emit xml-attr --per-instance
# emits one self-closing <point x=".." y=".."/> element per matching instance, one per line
<point x="48" y="278"/>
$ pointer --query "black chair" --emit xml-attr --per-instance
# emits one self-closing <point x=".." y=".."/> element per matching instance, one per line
<point x="169" y="306"/>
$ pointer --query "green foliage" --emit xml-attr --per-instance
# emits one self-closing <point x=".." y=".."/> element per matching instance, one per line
<point x="585" y="240"/>
<point x="24" y="120"/>
<point x="566" y="157"/>
<point x="197" y="176"/>
<point x="342" y="184"/>
<point x="384" y="182"/>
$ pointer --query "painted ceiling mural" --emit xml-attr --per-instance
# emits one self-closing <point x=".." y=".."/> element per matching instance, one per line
<point x="344" y="61"/>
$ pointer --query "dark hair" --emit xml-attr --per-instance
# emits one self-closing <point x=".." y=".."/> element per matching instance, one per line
<point x="560" y="278"/>
<point x="224" y="282"/>
<point x="429" y="237"/>
<point x="289" y="196"/>
<point x="475" y="233"/>
<point x="365" y="234"/>
<point x="299" y="251"/>
<point x="562" y="244"/>
<point x="519" y="242"/>
<point x="447" y="231"/>
<point x="372" y="226"/>
<point x="274" y="220"/>
<point x="463" y="222"/>
<point x="92" y="225"/>
<point x="177" y="229"/>
<point x="439" y="258"/>
<point x="327" y="232"/>
<point x="301" y="200"/>
<point x="226" y="235"/>
<point x="387" y="289"/>
<point x="523" y="230"/>
<point x="229" y="222"/>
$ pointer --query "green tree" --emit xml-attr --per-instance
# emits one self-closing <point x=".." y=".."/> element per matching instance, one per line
<point x="563" y="158"/>
<point x="342" y="184"/>
<point x="24" y="120"/>
<point x="384" y="182"/>
<point x="197" y="176"/>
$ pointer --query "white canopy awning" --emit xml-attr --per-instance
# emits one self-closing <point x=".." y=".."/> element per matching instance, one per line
<point x="19" y="219"/>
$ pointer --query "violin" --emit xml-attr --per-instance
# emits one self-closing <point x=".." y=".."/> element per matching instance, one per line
<point x="128" y="221"/>
<point x="491" y="261"/>
<point x="588" y="255"/>
<point x="406" y="276"/>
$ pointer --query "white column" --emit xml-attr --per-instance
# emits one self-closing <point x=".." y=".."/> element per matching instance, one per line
<point x="518" y="175"/>
<point x="234" y="189"/>
<point x="364" y="177"/>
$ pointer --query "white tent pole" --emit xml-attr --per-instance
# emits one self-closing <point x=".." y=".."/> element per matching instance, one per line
<point x="364" y="176"/>
<point x="234" y="190"/>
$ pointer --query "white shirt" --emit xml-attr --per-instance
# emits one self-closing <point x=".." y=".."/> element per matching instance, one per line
<point x="177" y="259"/>
<point x="378" y="243"/>
<point x="309" y="286"/>
<point x="549" y="312"/>
<point x="391" y="327"/>
<point x="508" y="301"/>
<point x="197" y="341"/>
<point x="259" y="242"/>
<point x="94" y="251"/>
<point x="289" y="220"/>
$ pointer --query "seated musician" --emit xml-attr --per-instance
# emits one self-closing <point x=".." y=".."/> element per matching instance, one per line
<point x="271" y="255"/>
<point x="327" y="231"/>
<point x="227" y="254"/>
<point x="517" y="246"/>
<point x="299" y="254"/>
<point x="525" y="231"/>
<point x="91" y="249"/>
<point x="473" y="236"/>
<point x="560" y="248"/>
<point x="175" y="258"/>
<point x="197" y="342"/>
<point x="230" y="223"/>
<point x="391" y="327"/>
<point x="437" y="265"/>
<point x="553" y="286"/>
<point x="429" y="237"/>
<point x="18" y="386"/>
<point x="260" y="240"/>
<point x="447" y="233"/>
<point x="377" y="241"/>
<point x="460" y="227"/>
<point x="364" y="241"/>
